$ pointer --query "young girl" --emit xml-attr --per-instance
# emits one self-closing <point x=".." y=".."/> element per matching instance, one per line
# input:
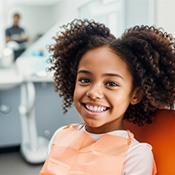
<point x="108" y="80"/>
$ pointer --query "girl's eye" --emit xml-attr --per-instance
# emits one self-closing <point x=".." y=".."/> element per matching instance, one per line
<point x="84" y="80"/>
<point x="111" y="84"/>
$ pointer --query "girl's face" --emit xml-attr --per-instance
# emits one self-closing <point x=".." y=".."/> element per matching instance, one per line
<point x="103" y="90"/>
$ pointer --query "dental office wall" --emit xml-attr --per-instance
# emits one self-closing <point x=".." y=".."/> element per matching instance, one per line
<point x="165" y="15"/>
<point x="48" y="105"/>
<point x="34" y="18"/>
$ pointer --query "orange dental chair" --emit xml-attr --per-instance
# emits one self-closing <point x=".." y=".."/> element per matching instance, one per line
<point x="161" y="135"/>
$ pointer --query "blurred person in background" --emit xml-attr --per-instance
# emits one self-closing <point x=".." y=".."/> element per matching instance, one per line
<point x="16" y="37"/>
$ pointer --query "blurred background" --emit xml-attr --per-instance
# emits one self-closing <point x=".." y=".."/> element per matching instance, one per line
<point x="30" y="110"/>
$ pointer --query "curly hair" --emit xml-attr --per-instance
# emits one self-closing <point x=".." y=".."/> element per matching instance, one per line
<point x="149" y="53"/>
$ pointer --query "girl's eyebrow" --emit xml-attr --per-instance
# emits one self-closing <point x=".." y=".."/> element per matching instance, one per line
<point x="106" y="74"/>
<point x="83" y="71"/>
<point x="114" y="75"/>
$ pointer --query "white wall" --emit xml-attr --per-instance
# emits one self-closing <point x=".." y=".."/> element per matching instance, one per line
<point x="35" y="19"/>
<point x="67" y="10"/>
<point x="63" y="12"/>
<point x="2" y="24"/>
<point x="165" y="15"/>
<point x="139" y="12"/>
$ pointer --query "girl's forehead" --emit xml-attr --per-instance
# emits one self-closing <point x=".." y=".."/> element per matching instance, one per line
<point x="102" y="56"/>
<point x="103" y="60"/>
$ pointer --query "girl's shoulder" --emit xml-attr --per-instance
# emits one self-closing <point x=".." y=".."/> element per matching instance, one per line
<point x="139" y="159"/>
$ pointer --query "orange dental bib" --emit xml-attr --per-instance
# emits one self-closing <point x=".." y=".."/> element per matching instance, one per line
<point x="74" y="152"/>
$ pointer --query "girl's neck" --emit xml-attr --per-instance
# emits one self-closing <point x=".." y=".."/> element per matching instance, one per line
<point x="103" y="129"/>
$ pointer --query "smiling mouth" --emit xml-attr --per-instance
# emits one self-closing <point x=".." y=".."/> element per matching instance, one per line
<point x="94" y="108"/>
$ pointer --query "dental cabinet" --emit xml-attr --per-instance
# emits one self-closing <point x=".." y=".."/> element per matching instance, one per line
<point x="47" y="119"/>
<point x="31" y="110"/>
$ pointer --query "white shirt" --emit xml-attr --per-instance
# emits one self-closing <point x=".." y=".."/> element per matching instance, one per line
<point x="139" y="158"/>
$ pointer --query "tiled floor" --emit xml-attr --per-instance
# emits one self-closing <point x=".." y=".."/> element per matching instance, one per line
<point x="12" y="164"/>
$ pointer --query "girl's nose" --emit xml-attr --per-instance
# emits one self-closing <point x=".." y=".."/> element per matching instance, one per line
<point x="95" y="93"/>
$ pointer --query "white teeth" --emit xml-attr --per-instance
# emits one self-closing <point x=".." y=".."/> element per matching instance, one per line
<point x="95" y="108"/>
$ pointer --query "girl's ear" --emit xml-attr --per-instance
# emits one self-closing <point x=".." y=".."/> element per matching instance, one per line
<point x="137" y="96"/>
